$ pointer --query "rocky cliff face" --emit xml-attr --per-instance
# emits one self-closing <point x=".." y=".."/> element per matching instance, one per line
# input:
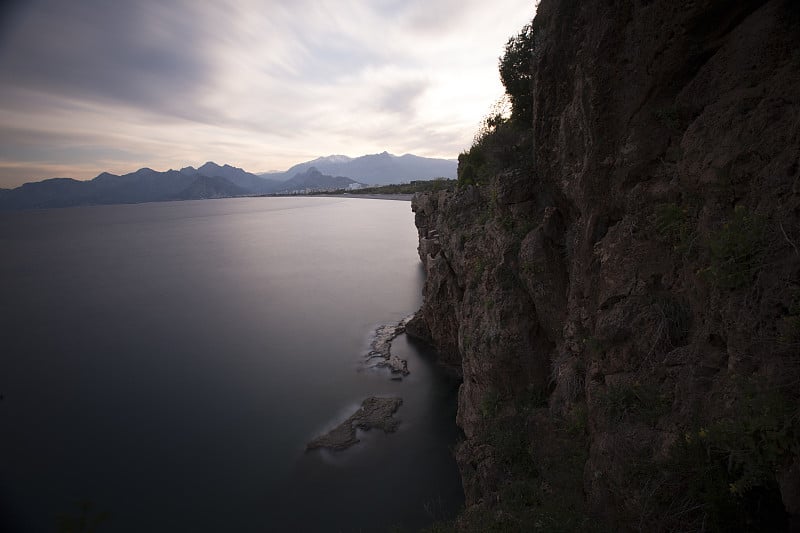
<point x="626" y="314"/>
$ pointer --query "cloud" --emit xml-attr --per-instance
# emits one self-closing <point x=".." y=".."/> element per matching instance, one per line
<point x="257" y="83"/>
<point x="402" y="97"/>
<point x="95" y="50"/>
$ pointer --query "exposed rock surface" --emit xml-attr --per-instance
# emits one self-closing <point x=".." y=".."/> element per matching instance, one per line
<point x="626" y="313"/>
<point x="381" y="348"/>
<point x="417" y="328"/>
<point x="375" y="412"/>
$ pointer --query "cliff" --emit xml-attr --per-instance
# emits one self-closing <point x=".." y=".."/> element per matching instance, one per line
<point x="625" y="306"/>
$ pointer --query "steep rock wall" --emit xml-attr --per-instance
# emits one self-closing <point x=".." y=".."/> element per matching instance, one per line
<point x="638" y="290"/>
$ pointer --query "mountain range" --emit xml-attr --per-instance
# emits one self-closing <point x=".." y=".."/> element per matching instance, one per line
<point x="214" y="181"/>
<point x="312" y="180"/>
<point x="376" y="169"/>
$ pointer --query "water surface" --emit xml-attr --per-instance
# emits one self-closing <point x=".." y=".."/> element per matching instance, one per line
<point x="168" y="362"/>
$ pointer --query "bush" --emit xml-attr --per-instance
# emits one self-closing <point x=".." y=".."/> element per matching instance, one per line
<point x="516" y="73"/>
<point x="639" y="402"/>
<point x="676" y="319"/>
<point x="728" y="468"/>
<point x="737" y="250"/>
<point x="675" y="227"/>
<point x="503" y="139"/>
<point x="504" y="146"/>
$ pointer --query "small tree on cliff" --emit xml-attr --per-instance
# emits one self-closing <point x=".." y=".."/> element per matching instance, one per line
<point x="503" y="141"/>
<point x="516" y="73"/>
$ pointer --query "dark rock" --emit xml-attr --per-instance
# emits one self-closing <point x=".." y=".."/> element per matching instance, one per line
<point x="565" y="293"/>
<point x="789" y="482"/>
<point x="418" y="329"/>
<point x="381" y="348"/>
<point x="375" y="412"/>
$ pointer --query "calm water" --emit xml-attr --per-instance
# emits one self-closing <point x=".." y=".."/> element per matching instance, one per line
<point x="168" y="362"/>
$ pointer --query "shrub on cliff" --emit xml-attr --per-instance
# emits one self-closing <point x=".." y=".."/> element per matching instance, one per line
<point x="737" y="250"/>
<point x="724" y="476"/>
<point x="503" y="138"/>
<point x="516" y="73"/>
<point x="503" y="146"/>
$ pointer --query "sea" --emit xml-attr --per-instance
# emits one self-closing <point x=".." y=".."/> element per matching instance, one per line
<point x="163" y="366"/>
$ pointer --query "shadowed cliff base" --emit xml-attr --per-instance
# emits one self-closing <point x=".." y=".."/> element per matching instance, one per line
<point x="617" y="270"/>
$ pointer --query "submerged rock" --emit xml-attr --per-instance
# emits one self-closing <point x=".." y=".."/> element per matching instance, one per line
<point x="381" y="348"/>
<point x="375" y="412"/>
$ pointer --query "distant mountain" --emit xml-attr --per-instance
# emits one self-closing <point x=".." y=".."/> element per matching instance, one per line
<point x="375" y="169"/>
<point x="247" y="181"/>
<point x="48" y="193"/>
<point x="144" y="185"/>
<point x="314" y="180"/>
<point x="204" y="187"/>
<point x="214" y="181"/>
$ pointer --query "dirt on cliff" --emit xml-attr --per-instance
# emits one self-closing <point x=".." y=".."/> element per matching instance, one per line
<point x="625" y="309"/>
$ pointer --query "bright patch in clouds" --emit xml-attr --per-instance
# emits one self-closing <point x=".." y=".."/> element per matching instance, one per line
<point x="91" y="85"/>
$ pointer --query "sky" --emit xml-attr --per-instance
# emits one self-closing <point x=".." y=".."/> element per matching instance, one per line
<point x="88" y="86"/>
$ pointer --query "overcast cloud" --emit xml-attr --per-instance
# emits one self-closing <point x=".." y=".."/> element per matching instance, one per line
<point x="92" y="85"/>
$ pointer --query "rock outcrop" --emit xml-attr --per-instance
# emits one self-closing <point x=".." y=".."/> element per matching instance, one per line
<point x="375" y="412"/>
<point x="381" y="348"/>
<point x="626" y="311"/>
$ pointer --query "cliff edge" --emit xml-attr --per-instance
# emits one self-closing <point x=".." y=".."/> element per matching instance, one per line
<point x="624" y="304"/>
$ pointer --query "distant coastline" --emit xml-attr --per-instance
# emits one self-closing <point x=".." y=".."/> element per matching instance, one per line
<point x="405" y="197"/>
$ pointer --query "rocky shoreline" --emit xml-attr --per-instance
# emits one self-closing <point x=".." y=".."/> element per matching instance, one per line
<point x="381" y="348"/>
<point x="375" y="412"/>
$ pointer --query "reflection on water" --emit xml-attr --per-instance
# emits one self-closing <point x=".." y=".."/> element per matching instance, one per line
<point x="168" y="362"/>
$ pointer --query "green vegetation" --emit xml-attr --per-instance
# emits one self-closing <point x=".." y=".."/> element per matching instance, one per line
<point x="577" y="421"/>
<point x="534" y="496"/>
<point x="736" y="250"/>
<point x="509" y="438"/>
<point x="499" y="145"/>
<point x="516" y="73"/>
<point x="531" y="398"/>
<point x="539" y="478"/>
<point x="723" y="475"/>
<point x="636" y="402"/>
<point x="676" y="319"/>
<point x="503" y="140"/>
<point x="675" y="226"/>
<point x="478" y="269"/>
<point x="438" y="184"/>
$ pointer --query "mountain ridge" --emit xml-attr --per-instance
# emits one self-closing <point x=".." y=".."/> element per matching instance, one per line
<point x="211" y="180"/>
<point x="314" y="180"/>
<point x="376" y="169"/>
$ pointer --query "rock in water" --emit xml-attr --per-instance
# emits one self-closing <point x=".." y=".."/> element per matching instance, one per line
<point x="381" y="348"/>
<point x="375" y="412"/>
